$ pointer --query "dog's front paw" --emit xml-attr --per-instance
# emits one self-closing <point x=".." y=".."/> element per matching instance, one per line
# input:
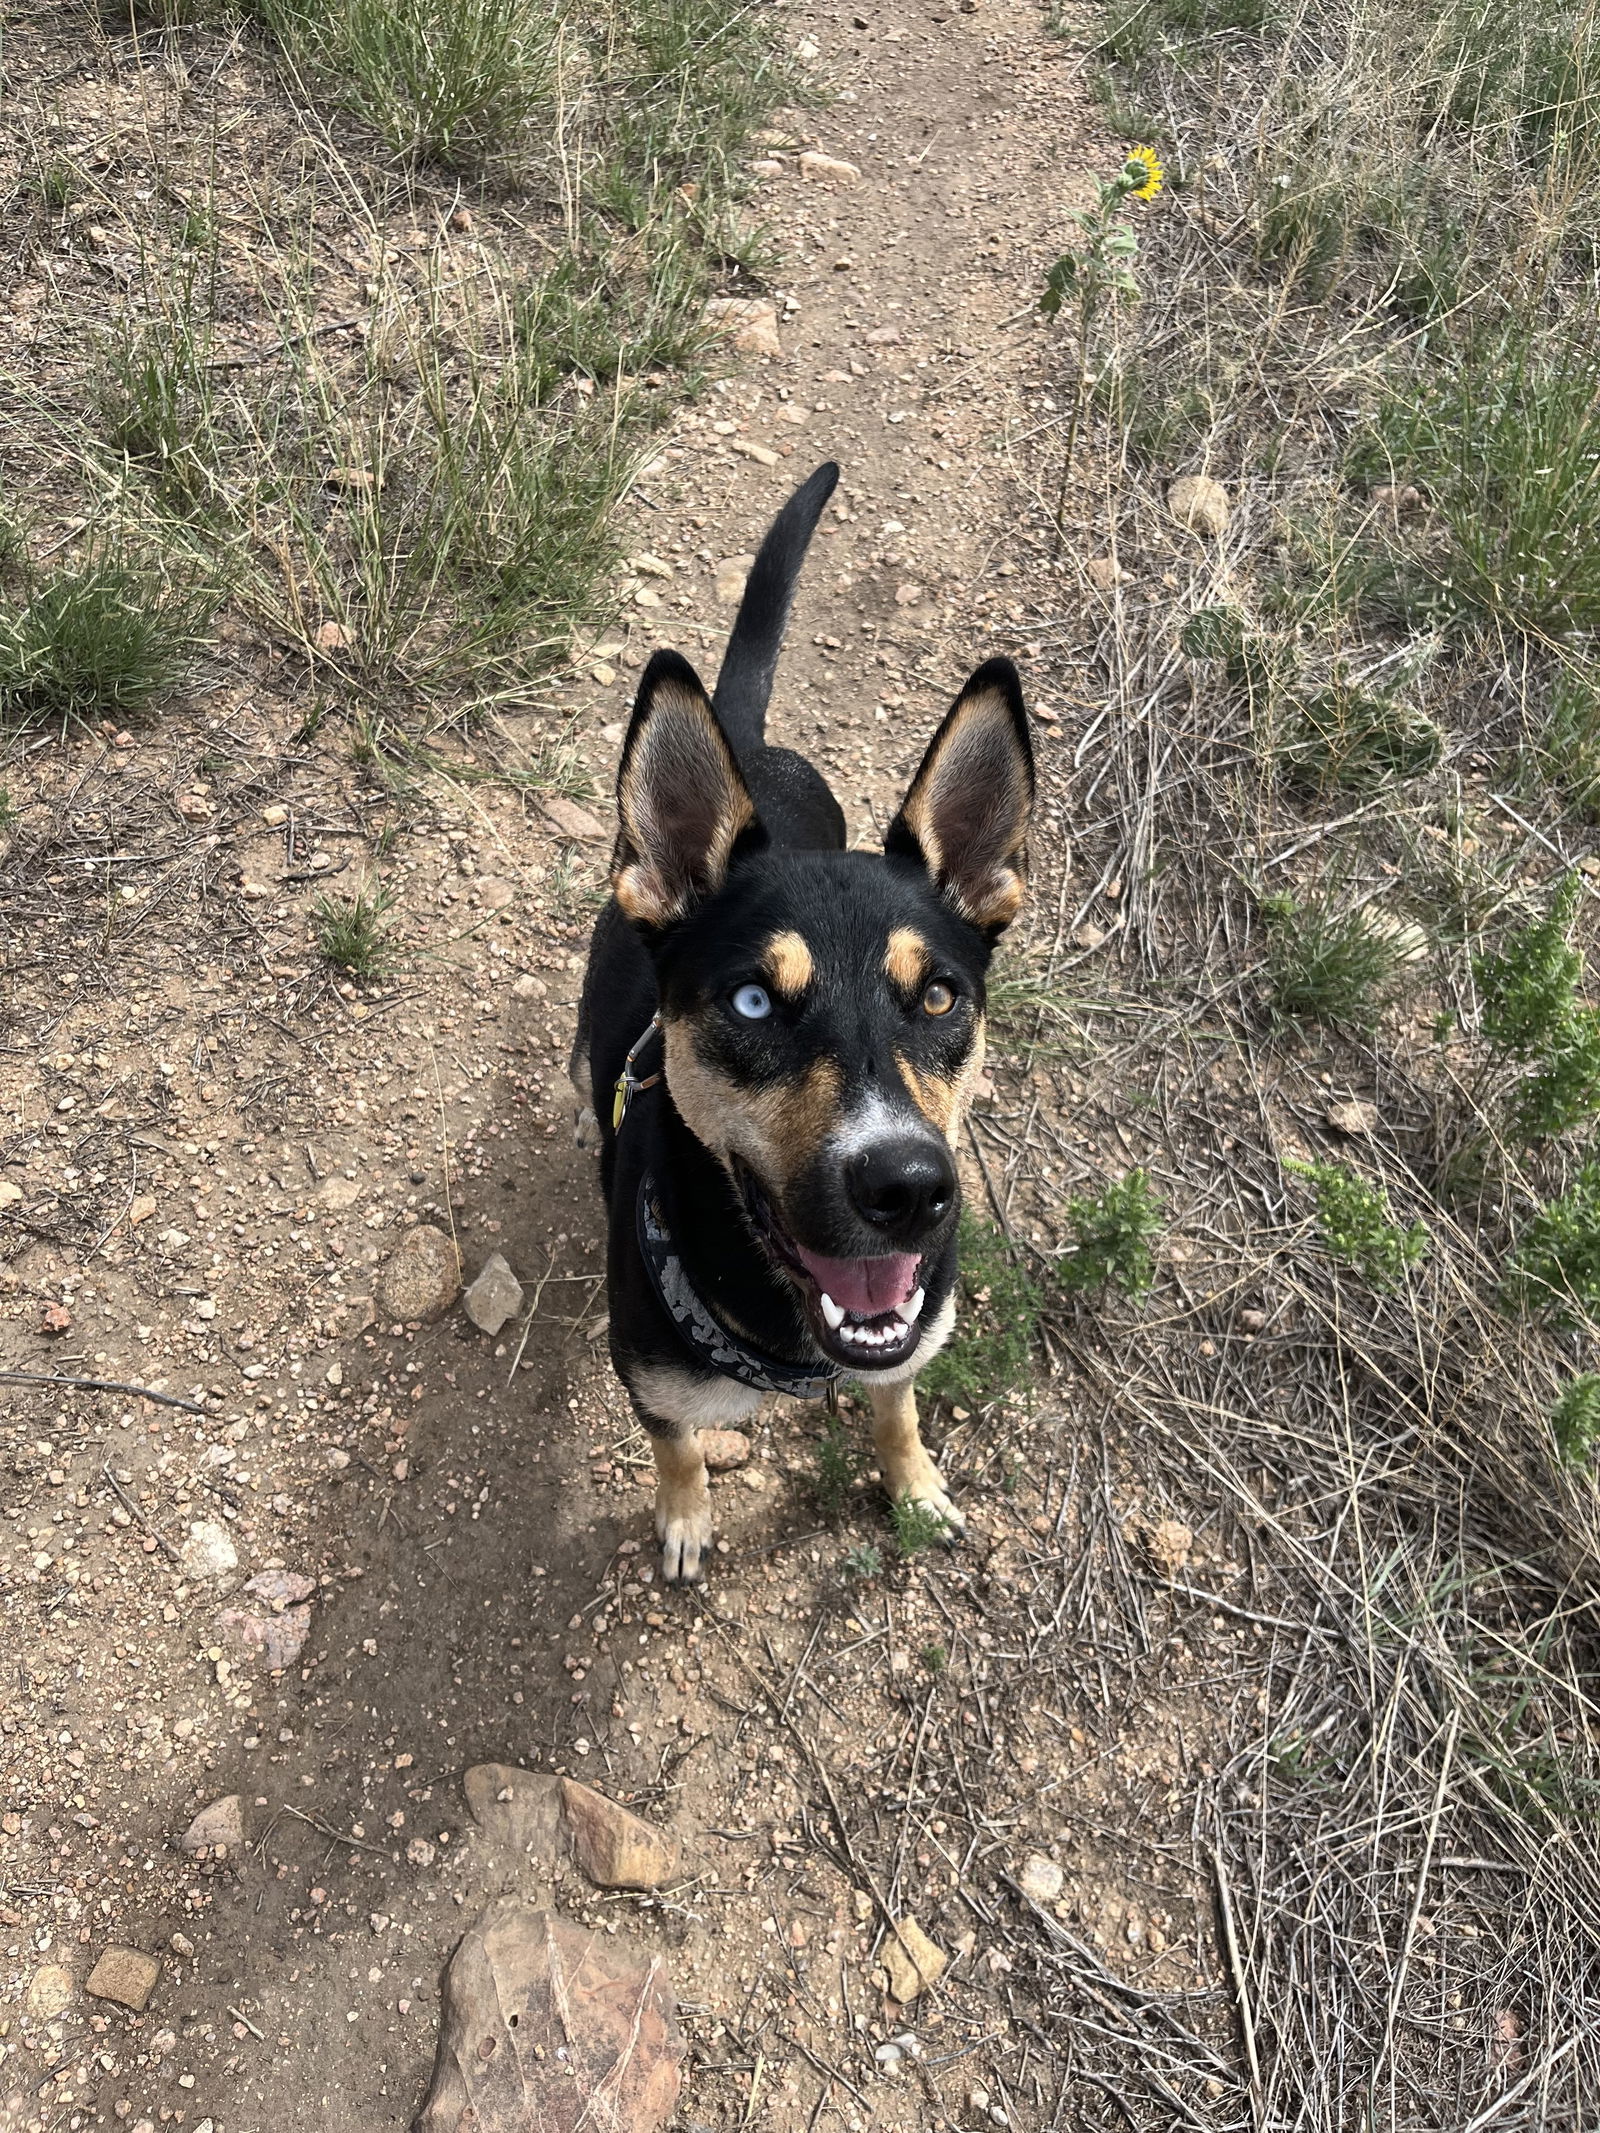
<point x="683" y="1527"/>
<point x="919" y="1486"/>
<point x="586" y="1130"/>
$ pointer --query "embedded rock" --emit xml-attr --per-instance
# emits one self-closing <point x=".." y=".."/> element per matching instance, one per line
<point x="494" y="1297"/>
<point x="208" y="1552"/>
<point x="1357" y="1119"/>
<point x="732" y="572"/>
<point x="750" y="324"/>
<point x="531" y="1814"/>
<point x="1199" y="503"/>
<point x="616" y="1849"/>
<point x="912" y="1961"/>
<point x="222" y="1823"/>
<point x="126" y="1976"/>
<point x="275" y="1635"/>
<point x="423" y="1279"/>
<point x="568" y="819"/>
<point x="724" y="1449"/>
<point x="546" y="2024"/>
<point x="829" y="170"/>
<point x="1164" y="1542"/>
<point x="49" y="1992"/>
<point x="1041" y="1879"/>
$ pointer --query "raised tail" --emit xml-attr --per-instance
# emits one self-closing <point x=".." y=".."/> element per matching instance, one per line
<point x="751" y="660"/>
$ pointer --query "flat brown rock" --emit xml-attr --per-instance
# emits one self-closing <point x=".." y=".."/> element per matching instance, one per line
<point x="1164" y="1542"/>
<point x="549" y="2026"/>
<point x="724" y="1449"/>
<point x="570" y="819"/>
<point x="912" y="1961"/>
<point x="751" y="324"/>
<point x="220" y="1823"/>
<point x="534" y="1815"/>
<point x="617" y="1849"/>
<point x="517" y="1811"/>
<point x="1357" y="1119"/>
<point x="124" y="1975"/>
<point x="49" y="1993"/>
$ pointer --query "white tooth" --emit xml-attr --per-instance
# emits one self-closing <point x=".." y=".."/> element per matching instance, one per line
<point x="895" y="1331"/>
<point x="831" y="1311"/>
<point x="912" y="1307"/>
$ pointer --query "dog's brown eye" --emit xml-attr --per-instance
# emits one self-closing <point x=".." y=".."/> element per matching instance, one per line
<point x="937" y="998"/>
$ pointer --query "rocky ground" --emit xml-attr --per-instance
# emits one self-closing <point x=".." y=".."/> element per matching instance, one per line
<point x="314" y="1545"/>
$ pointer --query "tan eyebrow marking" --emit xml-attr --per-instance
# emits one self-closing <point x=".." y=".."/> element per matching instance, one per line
<point x="789" y="964"/>
<point x="906" y="958"/>
<point x="943" y="1099"/>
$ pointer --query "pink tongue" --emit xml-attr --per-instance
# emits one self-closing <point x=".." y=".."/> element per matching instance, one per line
<point x="863" y="1287"/>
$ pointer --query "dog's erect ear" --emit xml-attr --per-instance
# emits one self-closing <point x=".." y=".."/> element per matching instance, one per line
<point x="966" y="815"/>
<point x="682" y="804"/>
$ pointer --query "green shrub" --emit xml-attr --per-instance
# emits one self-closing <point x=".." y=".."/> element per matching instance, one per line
<point x="687" y="81"/>
<point x="991" y="1351"/>
<point x="917" y="1526"/>
<point x="57" y="182"/>
<point x="1325" y="964"/>
<point x="153" y="400"/>
<point x="1112" y="1236"/>
<point x="862" y="1563"/>
<point x="1533" y="69"/>
<point x="1532" y="1016"/>
<point x="100" y="641"/>
<point x="1135" y="29"/>
<point x="838" y="1468"/>
<point x="1215" y="633"/>
<point x="1527" y="988"/>
<point x="1348" y="737"/>
<point x="1565" y="1089"/>
<point x="1306" y="207"/>
<point x="1575" y="1419"/>
<point x="1358" y="1224"/>
<point x="1252" y="661"/>
<point x="1555" y="1270"/>
<point x="1163" y="416"/>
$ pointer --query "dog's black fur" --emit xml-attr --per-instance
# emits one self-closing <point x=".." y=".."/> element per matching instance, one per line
<point x="809" y="1139"/>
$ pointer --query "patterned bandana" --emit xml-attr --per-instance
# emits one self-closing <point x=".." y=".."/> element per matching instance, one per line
<point x="699" y="1327"/>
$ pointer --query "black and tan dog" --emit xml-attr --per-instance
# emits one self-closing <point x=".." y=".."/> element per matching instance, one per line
<point x="781" y="1037"/>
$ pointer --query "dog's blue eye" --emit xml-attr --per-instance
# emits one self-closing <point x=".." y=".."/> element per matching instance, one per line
<point x="751" y="1002"/>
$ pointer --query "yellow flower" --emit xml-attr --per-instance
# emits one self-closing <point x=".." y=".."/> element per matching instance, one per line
<point x="1144" y="164"/>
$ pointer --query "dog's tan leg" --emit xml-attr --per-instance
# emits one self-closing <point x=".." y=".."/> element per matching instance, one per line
<point x="903" y="1458"/>
<point x="674" y="1405"/>
<point x="683" y="1505"/>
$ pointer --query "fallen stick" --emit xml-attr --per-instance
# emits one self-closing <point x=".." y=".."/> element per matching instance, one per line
<point x="133" y="1511"/>
<point x="138" y="1392"/>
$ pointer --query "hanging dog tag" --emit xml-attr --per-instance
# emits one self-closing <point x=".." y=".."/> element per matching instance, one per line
<point x="627" y="1082"/>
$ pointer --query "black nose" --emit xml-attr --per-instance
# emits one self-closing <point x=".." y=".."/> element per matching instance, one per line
<point x="903" y="1187"/>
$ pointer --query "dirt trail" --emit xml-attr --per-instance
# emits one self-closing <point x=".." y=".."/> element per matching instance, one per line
<point x="487" y="1588"/>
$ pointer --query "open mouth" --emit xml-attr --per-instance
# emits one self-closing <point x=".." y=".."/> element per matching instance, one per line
<point x="863" y="1313"/>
